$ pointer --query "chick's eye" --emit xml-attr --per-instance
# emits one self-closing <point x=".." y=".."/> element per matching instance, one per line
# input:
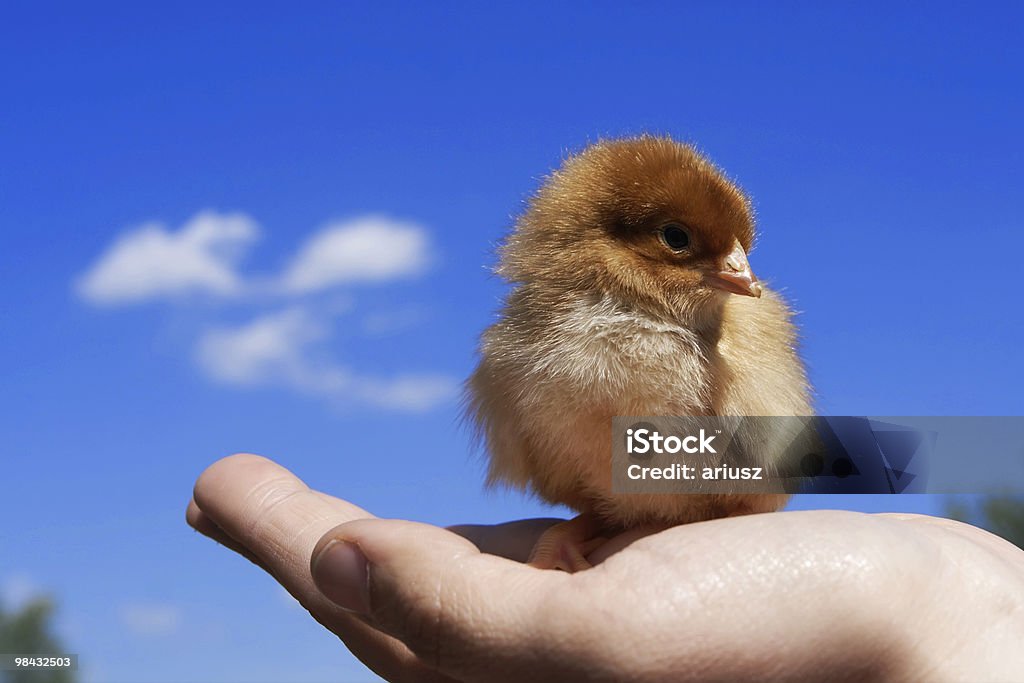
<point x="675" y="237"/>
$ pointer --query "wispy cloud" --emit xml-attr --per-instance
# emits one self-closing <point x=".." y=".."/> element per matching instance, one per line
<point x="407" y="392"/>
<point x="153" y="262"/>
<point x="150" y="619"/>
<point x="284" y="347"/>
<point x="368" y="249"/>
<point x="287" y="348"/>
<point x="272" y="349"/>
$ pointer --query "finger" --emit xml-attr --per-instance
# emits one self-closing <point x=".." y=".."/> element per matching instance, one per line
<point x="204" y="525"/>
<point x="724" y="600"/>
<point x="261" y="510"/>
<point x="262" y="505"/>
<point x="473" y="616"/>
<point x="511" y="540"/>
<point x="982" y="538"/>
<point x="516" y="540"/>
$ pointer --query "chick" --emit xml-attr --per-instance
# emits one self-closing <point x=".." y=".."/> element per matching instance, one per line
<point x="632" y="295"/>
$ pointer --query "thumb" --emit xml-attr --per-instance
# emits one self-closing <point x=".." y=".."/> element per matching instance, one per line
<point x="459" y="610"/>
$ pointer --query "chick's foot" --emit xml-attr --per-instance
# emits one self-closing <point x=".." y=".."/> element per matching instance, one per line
<point x="566" y="545"/>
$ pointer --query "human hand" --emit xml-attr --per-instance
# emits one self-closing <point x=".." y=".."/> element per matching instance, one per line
<point x="821" y="595"/>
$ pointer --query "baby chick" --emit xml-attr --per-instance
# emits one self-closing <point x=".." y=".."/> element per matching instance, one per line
<point x="632" y="295"/>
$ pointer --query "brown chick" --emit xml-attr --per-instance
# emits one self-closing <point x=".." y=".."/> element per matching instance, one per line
<point x="632" y="295"/>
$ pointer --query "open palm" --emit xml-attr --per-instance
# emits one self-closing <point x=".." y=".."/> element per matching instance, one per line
<point x="782" y="596"/>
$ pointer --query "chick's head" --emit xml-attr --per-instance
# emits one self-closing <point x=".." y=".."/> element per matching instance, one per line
<point x="647" y="221"/>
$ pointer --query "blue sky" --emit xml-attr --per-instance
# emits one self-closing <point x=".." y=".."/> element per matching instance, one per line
<point x="880" y="143"/>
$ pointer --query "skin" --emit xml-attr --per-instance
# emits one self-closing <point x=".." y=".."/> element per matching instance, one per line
<point x="799" y="596"/>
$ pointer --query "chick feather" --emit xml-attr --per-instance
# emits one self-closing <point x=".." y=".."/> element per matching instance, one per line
<point x="605" y="318"/>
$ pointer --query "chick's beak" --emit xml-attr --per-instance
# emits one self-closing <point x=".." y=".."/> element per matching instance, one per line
<point x="734" y="275"/>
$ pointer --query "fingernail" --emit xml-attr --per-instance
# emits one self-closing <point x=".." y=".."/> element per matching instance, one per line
<point x="341" y="573"/>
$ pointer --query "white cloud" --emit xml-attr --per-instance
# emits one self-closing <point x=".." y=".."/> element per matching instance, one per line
<point x="151" y="619"/>
<point x="270" y="349"/>
<point x="367" y="249"/>
<point x="153" y="262"/>
<point x="407" y="392"/>
<point x="286" y="349"/>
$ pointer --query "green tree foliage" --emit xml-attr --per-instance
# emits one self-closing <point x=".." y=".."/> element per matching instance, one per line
<point x="28" y="632"/>
<point x="1002" y="515"/>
